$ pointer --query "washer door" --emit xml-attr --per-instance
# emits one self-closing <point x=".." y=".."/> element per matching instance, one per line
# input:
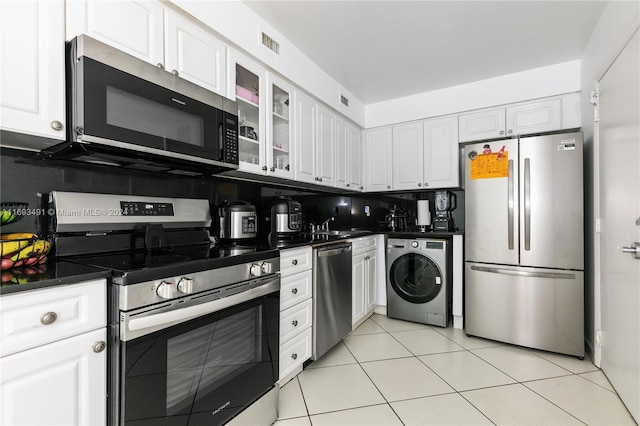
<point x="416" y="278"/>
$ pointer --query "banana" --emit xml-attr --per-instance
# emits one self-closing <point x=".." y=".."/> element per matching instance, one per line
<point x="37" y="248"/>
<point x="18" y="236"/>
<point x="12" y="246"/>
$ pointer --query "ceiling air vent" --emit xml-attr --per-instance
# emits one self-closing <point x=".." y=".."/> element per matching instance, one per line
<point x="344" y="100"/>
<point x="270" y="43"/>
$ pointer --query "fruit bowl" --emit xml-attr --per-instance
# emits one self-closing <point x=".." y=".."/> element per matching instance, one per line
<point x="12" y="212"/>
<point x="23" y="249"/>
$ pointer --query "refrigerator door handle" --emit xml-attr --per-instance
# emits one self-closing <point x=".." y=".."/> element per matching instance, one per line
<point x="536" y="274"/>
<point x="510" y="205"/>
<point x="527" y="204"/>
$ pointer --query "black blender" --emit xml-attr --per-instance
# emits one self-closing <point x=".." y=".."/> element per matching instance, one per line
<point x="445" y="203"/>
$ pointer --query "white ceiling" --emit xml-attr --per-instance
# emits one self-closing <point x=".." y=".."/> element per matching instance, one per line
<point x="381" y="50"/>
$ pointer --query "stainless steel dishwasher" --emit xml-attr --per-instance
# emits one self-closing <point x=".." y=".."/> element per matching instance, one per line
<point x="332" y="294"/>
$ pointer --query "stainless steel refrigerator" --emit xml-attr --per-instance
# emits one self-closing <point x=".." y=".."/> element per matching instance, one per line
<point x="524" y="242"/>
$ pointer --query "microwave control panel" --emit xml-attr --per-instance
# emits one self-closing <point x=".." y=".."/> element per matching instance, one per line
<point x="230" y="139"/>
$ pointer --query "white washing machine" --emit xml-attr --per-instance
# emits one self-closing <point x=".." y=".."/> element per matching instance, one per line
<point x="418" y="286"/>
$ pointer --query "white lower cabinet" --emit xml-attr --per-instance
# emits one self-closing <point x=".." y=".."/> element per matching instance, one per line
<point x="296" y="309"/>
<point x="364" y="278"/>
<point x="53" y="360"/>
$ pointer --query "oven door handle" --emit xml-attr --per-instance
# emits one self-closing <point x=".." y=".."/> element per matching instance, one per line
<point x="140" y="326"/>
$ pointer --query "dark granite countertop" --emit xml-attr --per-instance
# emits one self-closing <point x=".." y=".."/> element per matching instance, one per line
<point x="52" y="273"/>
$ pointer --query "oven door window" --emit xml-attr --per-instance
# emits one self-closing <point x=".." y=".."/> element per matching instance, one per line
<point x="122" y="107"/>
<point x="204" y="371"/>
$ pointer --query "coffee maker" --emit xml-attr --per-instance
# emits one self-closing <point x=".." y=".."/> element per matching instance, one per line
<point x="445" y="203"/>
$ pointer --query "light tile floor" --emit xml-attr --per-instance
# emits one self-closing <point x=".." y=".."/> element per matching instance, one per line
<point x="391" y="372"/>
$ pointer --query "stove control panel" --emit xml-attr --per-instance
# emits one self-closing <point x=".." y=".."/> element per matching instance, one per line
<point x="258" y="269"/>
<point x="166" y="290"/>
<point x="185" y="285"/>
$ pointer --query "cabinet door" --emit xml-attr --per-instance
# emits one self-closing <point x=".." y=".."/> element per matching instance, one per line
<point x="358" y="279"/>
<point x="377" y="154"/>
<point x="407" y="156"/>
<point x="441" y="153"/>
<point x="62" y="383"/>
<point x="247" y="83"/>
<point x="194" y="54"/>
<point x="32" y="95"/>
<point x="544" y="116"/>
<point x="305" y="138"/>
<point x="279" y="127"/>
<point x="355" y="159"/>
<point x="372" y="277"/>
<point x="135" y="27"/>
<point x="343" y="152"/>
<point x="326" y="146"/>
<point x="481" y="125"/>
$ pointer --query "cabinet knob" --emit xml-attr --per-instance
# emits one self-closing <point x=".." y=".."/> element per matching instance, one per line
<point x="347" y="185"/>
<point x="362" y="187"/>
<point x="99" y="346"/>
<point x="57" y="125"/>
<point x="419" y="185"/>
<point x="175" y="72"/>
<point x="159" y="65"/>
<point x="502" y="132"/>
<point x="294" y="323"/>
<point x="317" y="178"/>
<point x="264" y="168"/>
<point x="426" y="184"/>
<point x="388" y="186"/>
<point x="273" y="169"/>
<point x="294" y="290"/>
<point x="48" y="318"/>
<point x="294" y="262"/>
<point x="510" y="131"/>
<point x="320" y="179"/>
<point x="294" y="356"/>
<point x="287" y="168"/>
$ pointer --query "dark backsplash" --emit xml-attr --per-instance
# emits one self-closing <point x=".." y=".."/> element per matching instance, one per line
<point x="23" y="176"/>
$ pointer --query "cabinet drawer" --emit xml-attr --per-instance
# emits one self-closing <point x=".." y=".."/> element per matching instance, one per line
<point x="35" y="318"/>
<point x="295" y="352"/>
<point x="363" y="244"/>
<point x="295" y="319"/>
<point x="295" y="288"/>
<point x="295" y="260"/>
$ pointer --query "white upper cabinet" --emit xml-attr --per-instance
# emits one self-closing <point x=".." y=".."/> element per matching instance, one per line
<point x="32" y="88"/>
<point x="407" y="156"/>
<point x="441" y="153"/>
<point x="135" y="27"/>
<point x="194" y="54"/>
<point x="305" y="138"/>
<point x="481" y="125"/>
<point x="148" y="31"/>
<point x="279" y="127"/>
<point x="325" y="147"/>
<point x="247" y="82"/>
<point x="537" y="117"/>
<point x="377" y="155"/>
<point x="354" y="170"/>
<point x="343" y="148"/>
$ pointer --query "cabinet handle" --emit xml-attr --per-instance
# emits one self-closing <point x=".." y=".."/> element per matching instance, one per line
<point x="294" y="323"/>
<point x="57" y="125"/>
<point x="99" y="346"/>
<point x="510" y="131"/>
<point x="294" y="356"/>
<point x="273" y="169"/>
<point x="264" y="168"/>
<point x="502" y="132"/>
<point x="294" y="262"/>
<point x="294" y="290"/>
<point x="159" y="65"/>
<point x="175" y="72"/>
<point x="48" y="318"/>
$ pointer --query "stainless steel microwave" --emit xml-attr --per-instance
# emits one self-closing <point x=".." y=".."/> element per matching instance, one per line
<point x="126" y="112"/>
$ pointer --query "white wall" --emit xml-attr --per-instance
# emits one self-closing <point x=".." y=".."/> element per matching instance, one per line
<point x="531" y="84"/>
<point x="617" y="24"/>
<point x="242" y="27"/>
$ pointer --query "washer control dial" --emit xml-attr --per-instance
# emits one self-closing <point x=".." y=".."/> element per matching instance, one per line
<point x="415" y="244"/>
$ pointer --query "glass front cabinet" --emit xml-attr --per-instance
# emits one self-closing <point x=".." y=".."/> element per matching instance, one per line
<point x="280" y="142"/>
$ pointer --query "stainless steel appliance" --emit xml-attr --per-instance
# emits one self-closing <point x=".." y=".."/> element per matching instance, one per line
<point x="237" y="220"/>
<point x="418" y="286"/>
<point x="524" y="256"/>
<point x="332" y="296"/>
<point x="286" y="217"/>
<point x="126" y="112"/>
<point x="445" y="202"/>
<point x="193" y="328"/>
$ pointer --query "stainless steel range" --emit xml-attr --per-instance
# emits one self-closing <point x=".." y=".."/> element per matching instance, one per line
<point x="194" y="327"/>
